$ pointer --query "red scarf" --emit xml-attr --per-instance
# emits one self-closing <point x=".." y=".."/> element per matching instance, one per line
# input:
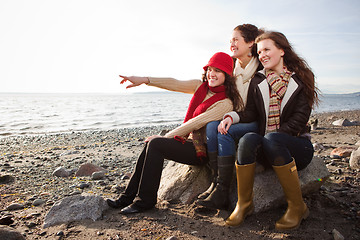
<point x="197" y="106"/>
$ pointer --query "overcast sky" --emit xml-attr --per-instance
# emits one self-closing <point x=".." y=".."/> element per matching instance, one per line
<point x="83" y="45"/>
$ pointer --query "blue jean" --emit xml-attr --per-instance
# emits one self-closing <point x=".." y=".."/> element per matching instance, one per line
<point x="276" y="148"/>
<point x="225" y="145"/>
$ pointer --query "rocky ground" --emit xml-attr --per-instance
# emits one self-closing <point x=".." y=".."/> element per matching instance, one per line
<point x="27" y="184"/>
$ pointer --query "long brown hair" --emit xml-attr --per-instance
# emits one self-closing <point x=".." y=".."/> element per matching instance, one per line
<point x="231" y="90"/>
<point x="294" y="63"/>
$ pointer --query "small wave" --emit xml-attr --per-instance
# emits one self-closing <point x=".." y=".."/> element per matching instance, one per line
<point x="109" y="114"/>
<point x="51" y="116"/>
<point x="6" y="134"/>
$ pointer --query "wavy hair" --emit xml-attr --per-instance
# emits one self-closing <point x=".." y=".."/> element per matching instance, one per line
<point x="231" y="90"/>
<point x="294" y="63"/>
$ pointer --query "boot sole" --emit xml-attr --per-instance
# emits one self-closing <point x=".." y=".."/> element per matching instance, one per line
<point x="305" y="216"/>
<point x="236" y="226"/>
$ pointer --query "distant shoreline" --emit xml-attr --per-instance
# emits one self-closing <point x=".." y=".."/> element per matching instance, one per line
<point x="144" y="131"/>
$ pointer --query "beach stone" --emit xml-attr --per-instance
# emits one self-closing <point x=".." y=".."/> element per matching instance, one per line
<point x="61" y="172"/>
<point x="185" y="183"/>
<point x="84" y="185"/>
<point x="6" y="220"/>
<point x="318" y="146"/>
<point x="15" y="206"/>
<point x="313" y="123"/>
<point x="75" y="208"/>
<point x="172" y="238"/>
<point x="342" y="152"/>
<point x="38" y="202"/>
<point x="355" y="159"/>
<point x="127" y="175"/>
<point x="69" y="153"/>
<point x="6" y="179"/>
<point x="97" y="175"/>
<point x="87" y="169"/>
<point x="344" y="122"/>
<point x="337" y="235"/>
<point x="9" y="233"/>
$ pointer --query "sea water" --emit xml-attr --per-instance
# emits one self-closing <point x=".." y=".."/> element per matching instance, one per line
<point x="30" y="113"/>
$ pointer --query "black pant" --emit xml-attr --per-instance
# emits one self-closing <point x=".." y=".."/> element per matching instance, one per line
<point x="275" y="148"/>
<point x="144" y="183"/>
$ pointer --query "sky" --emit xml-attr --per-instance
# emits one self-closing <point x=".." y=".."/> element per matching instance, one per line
<point x="81" y="46"/>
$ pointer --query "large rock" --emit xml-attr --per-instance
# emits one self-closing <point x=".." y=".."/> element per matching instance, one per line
<point x="342" y="152"/>
<point x="355" y="159"/>
<point x="75" y="208"/>
<point x="9" y="233"/>
<point x="87" y="169"/>
<point x="345" y="123"/>
<point x="183" y="183"/>
<point x="61" y="172"/>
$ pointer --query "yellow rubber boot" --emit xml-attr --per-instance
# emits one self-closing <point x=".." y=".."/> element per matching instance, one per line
<point x="244" y="206"/>
<point x="297" y="209"/>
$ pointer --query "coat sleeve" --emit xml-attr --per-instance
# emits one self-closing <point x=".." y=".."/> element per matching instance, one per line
<point x="251" y="111"/>
<point x="297" y="115"/>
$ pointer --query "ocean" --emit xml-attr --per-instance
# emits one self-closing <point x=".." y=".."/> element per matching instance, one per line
<point x="45" y="113"/>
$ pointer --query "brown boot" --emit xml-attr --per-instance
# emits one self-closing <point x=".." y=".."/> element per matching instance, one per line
<point x="244" y="206"/>
<point x="214" y="169"/>
<point x="219" y="198"/>
<point x="297" y="209"/>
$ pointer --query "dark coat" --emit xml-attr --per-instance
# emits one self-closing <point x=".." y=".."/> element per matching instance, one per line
<point x="295" y="109"/>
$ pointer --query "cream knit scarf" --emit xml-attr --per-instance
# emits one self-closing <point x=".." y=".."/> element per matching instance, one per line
<point x="244" y="75"/>
<point x="278" y="86"/>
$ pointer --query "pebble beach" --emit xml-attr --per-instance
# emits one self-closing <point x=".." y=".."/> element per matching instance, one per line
<point x="28" y="188"/>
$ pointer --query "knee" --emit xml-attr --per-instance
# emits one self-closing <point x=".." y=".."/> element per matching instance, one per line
<point x="271" y="141"/>
<point x="248" y="148"/>
<point x="249" y="138"/>
<point x="155" y="143"/>
<point x="272" y="136"/>
<point x="211" y="129"/>
<point x="249" y="142"/>
<point x="212" y="126"/>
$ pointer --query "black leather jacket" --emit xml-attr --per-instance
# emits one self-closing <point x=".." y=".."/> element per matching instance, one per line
<point x="295" y="109"/>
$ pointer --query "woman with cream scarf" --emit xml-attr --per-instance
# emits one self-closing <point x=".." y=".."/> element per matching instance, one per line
<point x="222" y="146"/>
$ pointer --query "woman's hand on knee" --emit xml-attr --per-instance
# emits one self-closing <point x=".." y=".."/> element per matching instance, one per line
<point x="225" y="125"/>
<point x="148" y="139"/>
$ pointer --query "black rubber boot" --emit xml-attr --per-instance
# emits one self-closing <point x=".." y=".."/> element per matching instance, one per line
<point x="213" y="164"/>
<point x="219" y="198"/>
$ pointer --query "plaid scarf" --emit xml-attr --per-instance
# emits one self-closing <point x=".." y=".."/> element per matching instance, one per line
<point x="278" y="86"/>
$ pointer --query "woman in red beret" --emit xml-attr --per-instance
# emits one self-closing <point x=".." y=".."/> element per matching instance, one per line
<point x="214" y="95"/>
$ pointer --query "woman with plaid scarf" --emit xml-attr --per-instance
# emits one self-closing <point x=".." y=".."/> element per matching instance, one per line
<point x="280" y="99"/>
